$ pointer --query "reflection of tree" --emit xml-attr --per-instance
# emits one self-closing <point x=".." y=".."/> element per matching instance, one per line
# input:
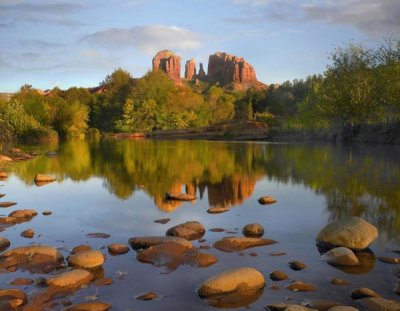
<point x="355" y="180"/>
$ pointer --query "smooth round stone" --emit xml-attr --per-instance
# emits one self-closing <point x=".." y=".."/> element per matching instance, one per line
<point x="217" y="210"/>
<point x="363" y="292"/>
<point x="297" y="265"/>
<point x="341" y="256"/>
<point x="23" y="213"/>
<point x="80" y="248"/>
<point x="278" y="276"/>
<point x="87" y="259"/>
<point x="117" y="249"/>
<point x="28" y="233"/>
<point x="4" y="244"/>
<point x="253" y="230"/>
<point x="266" y="200"/>
<point x="337" y="281"/>
<point x="147" y="296"/>
<point x="300" y="286"/>
<point x="89" y="306"/>
<point x="233" y="244"/>
<point x="191" y="230"/>
<point x="233" y="280"/>
<point x="71" y="279"/>
<point x="351" y="232"/>
<point x="47" y="213"/>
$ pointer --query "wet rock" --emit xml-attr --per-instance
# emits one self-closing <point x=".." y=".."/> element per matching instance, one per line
<point x="147" y="241"/>
<point x="297" y="265"/>
<point x="21" y="282"/>
<point x="377" y="303"/>
<point x="71" y="279"/>
<point x="217" y="210"/>
<point x="287" y="307"/>
<point x="277" y="254"/>
<point x="363" y="292"/>
<point x="103" y="282"/>
<point x="253" y="230"/>
<point x="216" y="230"/>
<point x="233" y="280"/>
<point x="321" y="305"/>
<point x="35" y="258"/>
<point x="2" y="194"/>
<point x="117" y="249"/>
<point x="7" y="204"/>
<point x="351" y="232"/>
<point x="90" y="259"/>
<point x="337" y="281"/>
<point x="266" y="200"/>
<point x="23" y="213"/>
<point x="278" y="276"/>
<point x="147" y="296"/>
<point x="275" y="287"/>
<point x="80" y="248"/>
<point x="41" y="178"/>
<point x="198" y="259"/>
<point x="12" y="299"/>
<point x="390" y="260"/>
<point x="4" y="244"/>
<point x="5" y="159"/>
<point x="47" y="213"/>
<point x="3" y="175"/>
<point x="191" y="230"/>
<point x="89" y="306"/>
<point x="40" y="282"/>
<point x="28" y="233"/>
<point x="300" y="286"/>
<point x="180" y="196"/>
<point x="341" y="256"/>
<point x="162" y="221"/>
<point x="98" y="235"/>
<point x="342" y="308"/>
<point x="233" y="244"/>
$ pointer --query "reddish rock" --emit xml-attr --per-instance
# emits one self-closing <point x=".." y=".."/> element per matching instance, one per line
<point x="202" y="74"/>
<point x="190" y="70"/>
<point x="230" y="70"/>
<point x="170" y="63"/>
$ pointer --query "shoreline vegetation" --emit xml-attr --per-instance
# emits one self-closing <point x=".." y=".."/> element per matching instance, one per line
<point x="356" y="99"/>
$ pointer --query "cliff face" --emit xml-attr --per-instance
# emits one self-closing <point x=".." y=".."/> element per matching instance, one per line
<point x="228" y="69"/>
<point x="170" y="63"/>
<point x="190" y="70"/>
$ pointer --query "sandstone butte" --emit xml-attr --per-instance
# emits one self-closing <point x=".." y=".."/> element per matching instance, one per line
<point x="224" y="69"/>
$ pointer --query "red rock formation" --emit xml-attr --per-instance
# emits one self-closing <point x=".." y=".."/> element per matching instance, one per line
<point x="170" y="63"/>
<point x="202" y="74"/>
<point x="228" y="69"/>
<point x="190" y="70"/>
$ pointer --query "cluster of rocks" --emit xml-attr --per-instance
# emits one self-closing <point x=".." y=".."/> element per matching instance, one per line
<point x="223" y="69"/>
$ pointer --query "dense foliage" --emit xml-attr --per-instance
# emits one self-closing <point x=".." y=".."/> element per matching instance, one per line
<point x="360" y="87"/>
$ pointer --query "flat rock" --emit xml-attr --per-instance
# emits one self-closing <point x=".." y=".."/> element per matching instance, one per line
<point x="253" y="230"/>
<point x="7" y="204"/>
<point x="363" y="292"/>
<point x="162" y="221"/>
<point x="297" y="265"/>
<point x="320" y="304"/>
<point x="4" y="244"/>
<point x="117" y="249"/>
<point x="341" y="256"/>
<point x="21" y="282"/>
<point x="191" y="230"/>
<point x="233" y="244"/>
<point x="233" y="280"/>
<point x="300" y="286"/>
<point x="33" y="250"/>
<point x="147" y="296"/>
<point x="147" y="241"/>
<point x="71" y="279"/>
<point x="342" y="308"/>
<point x="103" y="282"/>
<point x="217" y="210"/>
<point x="390" y="260"/>
<point x="89" y="306"/>
<point x="41" y="178"/>
<point x="80" y="248"/>
<point x="90" y="259"/>
<point x="47" y="213"/>
<point x="98" y="235"/>
<point x="266" y="200"/>
<point x="180" y="196"/>
<point x="378" y="304"/>
<point x="23" y="213"/>
<point x="278" y="276"/>
<point x="217" y="230"/>
<point x="287" y="306"/>
<point x="351" y="232"/>
<point x="337" y="281"/>
<point x="28" y="233"/>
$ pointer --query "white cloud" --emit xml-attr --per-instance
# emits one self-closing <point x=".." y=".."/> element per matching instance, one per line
<point x="148" y="39"/>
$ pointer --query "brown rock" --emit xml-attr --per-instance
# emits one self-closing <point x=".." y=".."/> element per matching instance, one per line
<point x="377" y="303"/>
<point x="91" y="259"/>
<point x="341" y="256"/>
<point x="342" y="308"/>
<point x="4" y="244"/>
<point x="44" y="178"/>
<point x="390" y="260"/>
<point x="277" y="254"/>
<point x="253" y="230"/>
<point x="47" y="213"/>
<point x="147" y="241"/>
<point x="266" y="200"/>
<point x="233" y="244"/>
<point x="117" y="249"/>
<point x="191" y="230"/>
<point x="98" y="235"/>
<point x="28" y="233"/>
<point x="7" y="204"/>
<point x="190" y="70"/>
<point x="89" y="306"/>
<point x="162" y="221"/>
<point x="5" y="159"/>
<point x="180" y="196"/>
<point x="23" y="213"/>
<point x="217" y="230"/>
<point x="21" y="282"/>
<point x="202" y="74"/>
<point x="297" y="265"/>
<point x="80" y="248"/>
<point x="337" y="281"/>
<point x="363" y="292"/>
<point x="278" y="276"/>
<point x="103" y="282"/>
<point x="12" y="299"/>
<point x="2" y="194"/>
<point x="170" y="63"/>
<point x="320" y="304"/>
<point x="300" y="286"/>
<point x="3" y="175"/>
<point x="217" y="210"/>
<point x="147" y="296"/>
<point x="71" y="279"/>
<point x="229" y="69"/>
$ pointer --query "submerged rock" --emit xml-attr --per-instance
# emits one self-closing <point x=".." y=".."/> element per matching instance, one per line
<point x="71" y="279"/>
<point x="300" y="286"/>
<point x="377" y="303"/>
<point x="191" y="230"/>
<point x="390" y="260"/>
<point x="98" y="235"/>
<point x="147" y="241"/>
<point x="297" y="265"/>
<point x="233" y="280"/>
<point x="287" y="307"/>
<point x="147" y="296"/>
<point x="278" y="276"/>
<point x="266" y="200"/>
<point x="90" y="259"/>
<point x="233" y="244"/>
<point x="117" y="249"/>
<point x="337" y="281"/>
<point x="89" y="306"/>
<point x="180" y="196"/>
<point x="351" y="232"/>
<point x="253" y="230"/>
<point x="363" y="292"/>
<point x="341" y="256"/>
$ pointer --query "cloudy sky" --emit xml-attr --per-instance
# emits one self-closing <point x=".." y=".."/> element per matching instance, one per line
<point x="62" y="43"/>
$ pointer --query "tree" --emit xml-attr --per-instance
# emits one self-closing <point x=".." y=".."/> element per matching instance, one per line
<point x="71" y="118"/>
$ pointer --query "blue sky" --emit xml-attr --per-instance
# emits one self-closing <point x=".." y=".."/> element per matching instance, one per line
<point x="78" y="42"/>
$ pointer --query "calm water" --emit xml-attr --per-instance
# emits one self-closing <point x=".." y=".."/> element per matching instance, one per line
<point x="117" y="187"/>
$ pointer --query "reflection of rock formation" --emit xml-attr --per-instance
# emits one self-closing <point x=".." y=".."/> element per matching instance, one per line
<point x="231" y="191"/>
